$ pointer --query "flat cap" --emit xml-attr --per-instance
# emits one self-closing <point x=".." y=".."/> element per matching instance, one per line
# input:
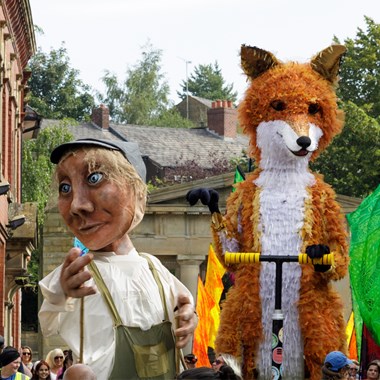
<point x="130" y="151"/>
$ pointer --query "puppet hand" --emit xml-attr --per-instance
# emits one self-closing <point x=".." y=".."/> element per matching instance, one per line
<point x="74" y="275"/>
<point x="186" y="321"/>
<point x="316" y="252"/>
<point x="208" y="197"/>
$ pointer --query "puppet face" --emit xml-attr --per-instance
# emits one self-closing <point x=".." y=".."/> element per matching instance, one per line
<point x="293" y="105"/>
<point x="97" y="210"/>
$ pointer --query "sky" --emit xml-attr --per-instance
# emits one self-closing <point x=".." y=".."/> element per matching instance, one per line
<point x="109" y="35"/>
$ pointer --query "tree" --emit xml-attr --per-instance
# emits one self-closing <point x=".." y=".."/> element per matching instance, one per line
<point x="349" y="163"/>
<point x="207" y="82"/>
<point x="37" y="173"/>
<point x="143" y="97"/>
<point x="56" y="92"/>
<point x="36" y="166"/>
<point x="360" y="72"/>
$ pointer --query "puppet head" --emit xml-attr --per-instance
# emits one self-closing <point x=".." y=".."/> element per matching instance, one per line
<point x="290" y="109"/>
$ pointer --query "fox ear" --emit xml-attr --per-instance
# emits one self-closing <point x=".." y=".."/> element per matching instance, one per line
<point x="327" y="62"/>
<point x="255" y="61"/>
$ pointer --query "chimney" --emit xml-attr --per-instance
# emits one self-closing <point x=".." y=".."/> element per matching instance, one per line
<point x="101" y="117"/>
<point x="222" y="119"/>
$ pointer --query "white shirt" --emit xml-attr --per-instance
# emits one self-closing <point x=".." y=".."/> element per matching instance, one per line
<point x="135" y="294"/>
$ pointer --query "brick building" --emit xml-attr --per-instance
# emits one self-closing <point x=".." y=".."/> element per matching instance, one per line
<point x="17" y="221"/>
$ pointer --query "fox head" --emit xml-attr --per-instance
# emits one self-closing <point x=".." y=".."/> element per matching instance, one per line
<point x="289" y="110"/>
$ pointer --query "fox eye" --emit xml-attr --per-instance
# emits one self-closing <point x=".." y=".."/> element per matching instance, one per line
<point x="278" y="105"/>
<point x="314" y="108"/>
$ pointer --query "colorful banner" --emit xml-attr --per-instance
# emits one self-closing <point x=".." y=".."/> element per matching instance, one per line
<point x="201" y="333"/>
<point x="214" y="287"/>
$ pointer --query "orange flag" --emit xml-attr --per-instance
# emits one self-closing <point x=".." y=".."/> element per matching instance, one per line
<point x="201" y="333"/>
<point x="214" y="287"/>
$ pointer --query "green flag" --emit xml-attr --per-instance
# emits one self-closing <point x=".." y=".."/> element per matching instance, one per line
<point x="239" y="176"/>
<point x="365" y="262"/>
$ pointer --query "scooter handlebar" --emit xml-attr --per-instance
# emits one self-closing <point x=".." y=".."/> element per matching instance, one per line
<point x="254" y="257"/>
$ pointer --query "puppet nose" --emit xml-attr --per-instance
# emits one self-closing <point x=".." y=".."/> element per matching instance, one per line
<point x="304" y="142"/>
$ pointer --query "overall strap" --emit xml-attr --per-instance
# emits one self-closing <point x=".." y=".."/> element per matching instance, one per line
<point x="105" y="293"/>
<point x="159" y="283"/>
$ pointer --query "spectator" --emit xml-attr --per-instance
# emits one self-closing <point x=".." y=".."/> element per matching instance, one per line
<point x="225" y="372"/>
<point x="353" y="372"/>
<point x="55" y="360"/>
<point x="79" y="371"/>
<point x="68" y="362"/>
<point x="373" y="370"/>
<point x="336" y="366"/>
<point x="190" y="360"/>
<point x="42" y="371"/>
<point x="1" y="343"/>
<point x="27" y="357"/>
<point x="10" y="362"/>
<point x="230" y="361"/>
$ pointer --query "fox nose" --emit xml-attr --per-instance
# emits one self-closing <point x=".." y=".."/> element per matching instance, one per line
<point x="304" y="142"/>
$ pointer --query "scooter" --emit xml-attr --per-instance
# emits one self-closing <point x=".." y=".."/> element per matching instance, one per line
<point x="278" y="316"/>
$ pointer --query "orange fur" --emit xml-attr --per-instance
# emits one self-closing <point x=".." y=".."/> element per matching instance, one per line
<point x="320" y="309"/>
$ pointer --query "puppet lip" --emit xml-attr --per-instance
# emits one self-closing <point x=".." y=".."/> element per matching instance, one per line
<point x="88" y="228"/>
<point x="300" y="153"/>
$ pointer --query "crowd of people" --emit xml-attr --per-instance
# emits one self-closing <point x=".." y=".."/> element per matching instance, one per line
<point x="18" y="364"/>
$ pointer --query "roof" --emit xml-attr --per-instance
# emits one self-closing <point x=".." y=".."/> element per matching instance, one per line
<point x="205" y="102"/>
<point x="172" y="146"/>
<point x="168" y="147"/>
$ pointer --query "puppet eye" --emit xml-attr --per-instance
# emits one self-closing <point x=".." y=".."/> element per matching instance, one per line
<point x="95" y="178"/>
<point x="64" y="188"/>
<point x="314" y="108"/>
<point x="278" y="105"/>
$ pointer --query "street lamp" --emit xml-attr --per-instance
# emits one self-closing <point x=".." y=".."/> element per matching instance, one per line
<point x="187" y="87"/>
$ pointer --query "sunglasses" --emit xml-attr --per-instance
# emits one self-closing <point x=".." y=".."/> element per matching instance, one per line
<point x="58" y="357"/>
<point x="26" y="353"/>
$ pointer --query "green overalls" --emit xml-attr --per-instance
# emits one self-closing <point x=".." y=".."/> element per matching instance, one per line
<point x="140" y="354"/>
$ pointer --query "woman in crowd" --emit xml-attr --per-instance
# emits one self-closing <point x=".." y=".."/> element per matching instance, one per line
<point x="55" y="361"/>
<point x="42" y="371"/>
<point x="102" y="197"/>
<point x="26" y="357"/>
<point x="373" y="370"/>
<point x="68" y="362"/>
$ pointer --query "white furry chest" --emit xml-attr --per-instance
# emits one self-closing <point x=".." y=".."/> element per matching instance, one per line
<point x="282" y="208"/>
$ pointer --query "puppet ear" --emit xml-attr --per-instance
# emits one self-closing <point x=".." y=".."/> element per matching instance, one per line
<point x="327" y="62"/>
<point x="255" y="61"/>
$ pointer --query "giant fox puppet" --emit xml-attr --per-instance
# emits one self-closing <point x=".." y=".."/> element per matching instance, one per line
<point x="290" y="113"/>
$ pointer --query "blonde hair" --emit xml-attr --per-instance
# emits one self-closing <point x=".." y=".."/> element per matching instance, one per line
<point x="51" y="355"/>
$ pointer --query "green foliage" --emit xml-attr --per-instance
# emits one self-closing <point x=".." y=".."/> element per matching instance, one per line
<point x="360" y="72"/>
<point x="207" y="82"/>
<point x="56" y="92"/>
<point x="37" y="169"/>
<point x="142" y="98"/>
<point x="350" y="163"/>
<point x="171" y="118"/>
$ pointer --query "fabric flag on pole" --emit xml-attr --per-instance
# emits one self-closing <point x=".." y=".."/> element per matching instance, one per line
<point x="365" y="261"/>
<point x="239" y="176"/>
<point x="201" y="333"/>
<point x="351" y="338"/>
<point x="214" y="287"/>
